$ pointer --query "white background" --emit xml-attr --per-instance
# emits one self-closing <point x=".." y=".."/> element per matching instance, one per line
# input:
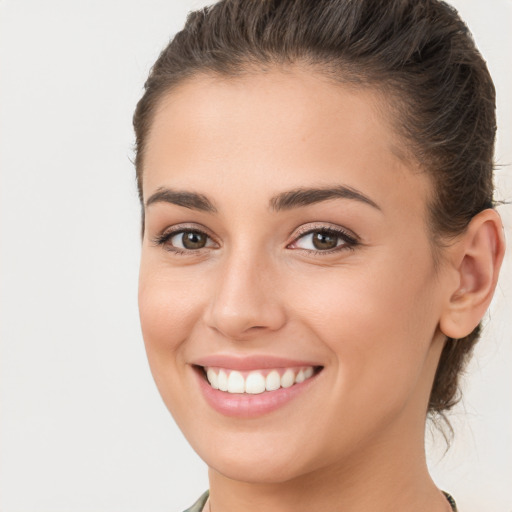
<point x="82" y="425"/>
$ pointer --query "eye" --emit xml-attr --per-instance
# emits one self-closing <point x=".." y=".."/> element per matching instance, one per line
<point x="324" y="240"/>
<point x="191" y="240"/>
<point x="184" y="240"/>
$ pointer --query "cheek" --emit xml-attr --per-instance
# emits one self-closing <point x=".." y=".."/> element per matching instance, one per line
<point x="166" y="316"/>
<point x="367" y="304"/>
<point x="159" y="314"/>
<point x="378" y="325"/>
<point x="167" y="313"/>
<point x="168" y="305"/>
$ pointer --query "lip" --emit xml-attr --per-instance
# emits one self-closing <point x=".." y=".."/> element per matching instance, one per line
<point x="245" y="405"/>
<point x="248" y="363"/>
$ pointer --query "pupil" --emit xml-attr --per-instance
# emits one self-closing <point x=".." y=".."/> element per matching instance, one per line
<point x="324" y="241"/>
<point x="193" y="240"/>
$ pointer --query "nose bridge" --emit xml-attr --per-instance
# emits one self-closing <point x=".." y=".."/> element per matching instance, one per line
<point x="246" y="298"/>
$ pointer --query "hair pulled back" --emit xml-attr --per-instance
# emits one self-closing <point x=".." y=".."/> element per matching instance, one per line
<point x="419" y="53"/>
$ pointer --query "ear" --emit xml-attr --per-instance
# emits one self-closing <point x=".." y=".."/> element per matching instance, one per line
<point x="476" y="260"/>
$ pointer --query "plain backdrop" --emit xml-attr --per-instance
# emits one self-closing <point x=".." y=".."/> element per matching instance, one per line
<point x="82" y="425"/>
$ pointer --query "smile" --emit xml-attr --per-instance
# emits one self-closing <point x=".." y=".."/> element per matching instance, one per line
<point x="256" y="381"/>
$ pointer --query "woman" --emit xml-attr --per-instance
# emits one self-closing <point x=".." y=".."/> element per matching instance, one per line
<point x="319" y="244"/>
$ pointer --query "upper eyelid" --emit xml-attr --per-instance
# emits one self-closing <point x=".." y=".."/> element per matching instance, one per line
<point x="306" y="229"/>
<point x="178" y="228"/>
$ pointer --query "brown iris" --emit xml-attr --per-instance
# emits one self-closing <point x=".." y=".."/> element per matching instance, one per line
<point x="324" y="241"/>
<point x="193" y="240"/>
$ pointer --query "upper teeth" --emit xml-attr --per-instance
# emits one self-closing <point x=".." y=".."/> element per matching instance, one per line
<point x="256" y="381"/>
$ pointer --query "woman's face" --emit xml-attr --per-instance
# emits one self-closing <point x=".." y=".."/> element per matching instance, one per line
<point x="286" y="241"/>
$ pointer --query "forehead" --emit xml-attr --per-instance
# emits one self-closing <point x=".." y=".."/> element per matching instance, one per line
<point x="277" y="129"/>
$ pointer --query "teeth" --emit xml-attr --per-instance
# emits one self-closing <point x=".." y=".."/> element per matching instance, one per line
<point x="212" y="378"/>
<point x="256" y="382"/>
<point x="288" y="379"/>
<point x="236" y="383"/>
<point x="222" y="381"/>
<point x="273" y="381"/>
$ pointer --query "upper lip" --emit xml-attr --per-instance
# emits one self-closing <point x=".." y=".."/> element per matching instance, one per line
<point x="248" y="363"/>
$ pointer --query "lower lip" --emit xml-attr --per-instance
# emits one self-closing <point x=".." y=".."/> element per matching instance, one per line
<point x="245" y="405"/>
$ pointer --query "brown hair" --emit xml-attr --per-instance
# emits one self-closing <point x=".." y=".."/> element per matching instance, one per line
<point x="418" y="52"/>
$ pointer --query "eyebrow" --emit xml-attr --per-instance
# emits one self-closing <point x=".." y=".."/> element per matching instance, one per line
<point x="191" y="200"/>
<point x="305" y="196"/>
<point x="287" y="200"/>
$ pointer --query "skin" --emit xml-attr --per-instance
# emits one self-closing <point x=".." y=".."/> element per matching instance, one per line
<point x="371" y="314"/>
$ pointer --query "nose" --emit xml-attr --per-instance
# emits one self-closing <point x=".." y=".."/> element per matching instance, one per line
<point x="246" y="301"/>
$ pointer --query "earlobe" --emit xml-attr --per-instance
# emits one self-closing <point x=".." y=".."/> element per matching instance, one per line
<point x="476" y="259"/>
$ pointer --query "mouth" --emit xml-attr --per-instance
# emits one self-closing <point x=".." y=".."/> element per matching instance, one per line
<point x="259" y="381"/>
<point x="250" y="387"/>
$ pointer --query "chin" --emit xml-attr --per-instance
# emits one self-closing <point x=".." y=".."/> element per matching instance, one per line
<point x="264" y="457"/>
<point x="252" y="456"/>
<point x="256" y="470"/>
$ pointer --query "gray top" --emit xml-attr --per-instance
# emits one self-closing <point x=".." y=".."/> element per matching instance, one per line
<point x="199" y="504"/>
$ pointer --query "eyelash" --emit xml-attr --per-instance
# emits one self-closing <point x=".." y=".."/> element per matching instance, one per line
<point x="349" y="241"/>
